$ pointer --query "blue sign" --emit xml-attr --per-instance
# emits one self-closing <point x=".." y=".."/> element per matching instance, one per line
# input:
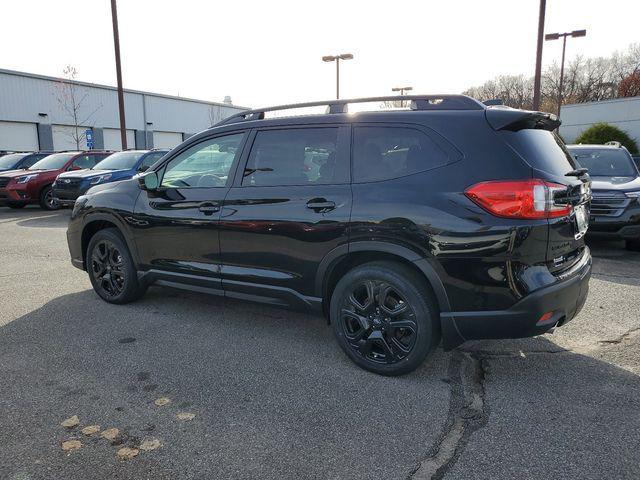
<point x="88" y="134"/>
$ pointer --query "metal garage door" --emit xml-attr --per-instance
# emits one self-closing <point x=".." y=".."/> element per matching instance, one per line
<point x="112" y="140"/>
<point x="18" y="136"/>
<point x="166" y="139"/>
<point x="64" y="137"/>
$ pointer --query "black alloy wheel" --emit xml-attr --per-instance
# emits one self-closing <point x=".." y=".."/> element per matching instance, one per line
<point x="385" y="317"/>
<point x="111" y="269"/>
<point x="107" y="267"/>
<point x="47" y="200"/>
<point x="378" y="323"/>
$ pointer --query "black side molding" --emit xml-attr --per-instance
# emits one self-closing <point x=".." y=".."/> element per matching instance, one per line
<point x="506" y="118"/>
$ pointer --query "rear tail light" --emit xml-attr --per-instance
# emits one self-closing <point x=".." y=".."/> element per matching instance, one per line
<point x="519" y="199"/>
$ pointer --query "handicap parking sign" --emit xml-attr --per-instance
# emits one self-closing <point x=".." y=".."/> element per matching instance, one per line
<point x="88" y="134"/>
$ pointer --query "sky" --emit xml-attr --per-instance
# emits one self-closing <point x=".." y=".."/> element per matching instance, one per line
<point x="269" y="52"/>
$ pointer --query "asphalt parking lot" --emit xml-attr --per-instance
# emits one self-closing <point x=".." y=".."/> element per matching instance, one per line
<point x="247" y="391"/>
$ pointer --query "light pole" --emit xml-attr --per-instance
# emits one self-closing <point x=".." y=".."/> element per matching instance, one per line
<point x="116" y="44"/>
<point x="401" y="90"/>
<point x="337" y="58"/>
<point x="556" y="36"/>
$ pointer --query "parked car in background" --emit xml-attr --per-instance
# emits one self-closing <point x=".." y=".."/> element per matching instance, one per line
<point x="636" y="159"/>
<point x="17" y="161"/>
<point x="615" y="206"/>
<point x="117" y="166"/>
<point x="33" y="185"/>
<point x="448" y="221"/>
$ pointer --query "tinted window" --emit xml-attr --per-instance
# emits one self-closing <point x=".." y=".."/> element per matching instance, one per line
<point x="542" y="150"/>
<point x="27" y="162"/>
<point x="151" y="158"/>
<point x="206" y="164"/>
<point x="52" y="162"/>
<point x="382" y="153"/>
<point x="119" y="161"/>
<point x="299" y="156"/>
<point x="605" y="162"/>
<point x="8" y="161"/>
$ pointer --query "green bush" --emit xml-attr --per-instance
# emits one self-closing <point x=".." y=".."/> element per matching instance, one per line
<point x="601" y="133"/>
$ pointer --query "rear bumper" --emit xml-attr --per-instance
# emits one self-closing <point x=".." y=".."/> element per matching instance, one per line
<point x="564" y="298"/>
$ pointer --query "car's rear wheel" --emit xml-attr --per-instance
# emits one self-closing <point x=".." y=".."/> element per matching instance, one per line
<point x="384" y="317"/>
<point x="47" y="200"/>
<point x="16" y="206"/>
<point x="633" y="245"/>
<point x="111" y="268"/>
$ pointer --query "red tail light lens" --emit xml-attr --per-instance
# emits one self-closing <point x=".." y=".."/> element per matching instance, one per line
<point x="519" y="199"/>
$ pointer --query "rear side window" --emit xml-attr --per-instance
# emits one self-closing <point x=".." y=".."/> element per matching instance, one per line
<point x="383" y="153"/>
<point x="541" y="149"/>
<point x="300" y="156"/>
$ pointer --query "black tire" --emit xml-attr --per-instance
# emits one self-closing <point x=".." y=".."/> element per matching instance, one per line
<point x="16" y="206"/>
<point x="402" y="291"/>
<point x="632" y="245"/>
<point x="107" y="253"/>
<point x="46" y="200"/>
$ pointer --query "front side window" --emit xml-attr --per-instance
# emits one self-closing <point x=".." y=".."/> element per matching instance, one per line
<point x="302" y="156"/>
<point x="204" y="165"/>
<point x="383" y="153"/>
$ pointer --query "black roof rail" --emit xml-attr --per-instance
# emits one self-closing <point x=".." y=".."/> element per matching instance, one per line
<point x="417" y="102"/>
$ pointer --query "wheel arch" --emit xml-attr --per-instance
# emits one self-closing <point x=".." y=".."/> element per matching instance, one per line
<point x="346" y="257"/>
<point x="99" y="221"/>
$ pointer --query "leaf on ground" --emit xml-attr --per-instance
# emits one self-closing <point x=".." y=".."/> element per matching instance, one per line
<point x="71" y="445"/>
<point x="91" y="429"/>
<point x="162" y="401"/>
<point x="150" y="444"/>
<point x="186" y="416"/>
<point x="110" y="433"/>
<point x="71" y="422"/>
<point x="126" y="453"/>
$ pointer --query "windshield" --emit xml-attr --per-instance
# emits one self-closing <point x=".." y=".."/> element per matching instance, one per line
<point x="10" y="160"/>
<point x="605" y="162"/>
<point x="119" y="161"/>
<point x="53" y="162"/>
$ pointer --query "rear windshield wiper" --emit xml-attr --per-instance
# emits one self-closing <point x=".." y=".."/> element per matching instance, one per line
<point x="578" y="172"/>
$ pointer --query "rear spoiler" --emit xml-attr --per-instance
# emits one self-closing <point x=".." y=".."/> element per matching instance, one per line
<point x="506" y="118"/>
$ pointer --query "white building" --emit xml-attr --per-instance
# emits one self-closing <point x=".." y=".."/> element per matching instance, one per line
<point x="36" y="114"/>
<point x="624" y="113"/>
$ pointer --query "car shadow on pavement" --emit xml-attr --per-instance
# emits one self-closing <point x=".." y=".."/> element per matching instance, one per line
<point x="274" y="397"/>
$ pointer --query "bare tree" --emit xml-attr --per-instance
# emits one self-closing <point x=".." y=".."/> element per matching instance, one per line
<point x="215" y="115"/>
<point x="72" y="99"/>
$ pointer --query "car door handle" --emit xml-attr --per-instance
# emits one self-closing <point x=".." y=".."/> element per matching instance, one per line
<point x="320" y="205"/>
<point x="209" y="208"/>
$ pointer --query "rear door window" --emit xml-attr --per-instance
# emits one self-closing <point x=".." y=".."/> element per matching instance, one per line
<point x="296" y="156"/>
<point x="386" y="152"/>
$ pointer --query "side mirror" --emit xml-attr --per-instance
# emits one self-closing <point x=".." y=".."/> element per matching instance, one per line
<point x="143" y="168"/>
<point x="149" y="181"/>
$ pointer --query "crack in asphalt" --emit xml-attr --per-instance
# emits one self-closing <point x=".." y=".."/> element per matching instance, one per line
<point x="467" y="413"/>
<point x="625" y="336"/>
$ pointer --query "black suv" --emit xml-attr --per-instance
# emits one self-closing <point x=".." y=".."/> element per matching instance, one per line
<point x="615" y="207"/>
<point x="448" y="220"/>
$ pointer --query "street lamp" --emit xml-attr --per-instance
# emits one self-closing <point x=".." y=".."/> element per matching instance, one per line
<point x="337" y="58"/>
<point x="401" y="90"/>
<point x="556" y="36"/>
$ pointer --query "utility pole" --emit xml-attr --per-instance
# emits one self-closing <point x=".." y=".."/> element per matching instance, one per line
<point x="538" y="73"/>
<point x="116" y="44"/>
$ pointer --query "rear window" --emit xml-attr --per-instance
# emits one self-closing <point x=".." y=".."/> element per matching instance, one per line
<point x="542" y="150"/>
<point x="605" y="162"/>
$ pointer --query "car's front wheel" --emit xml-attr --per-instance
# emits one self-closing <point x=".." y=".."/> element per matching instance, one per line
<point x="111" y="268"/>
<point x="47" y="200"/>
<point x="384" y="317"/>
